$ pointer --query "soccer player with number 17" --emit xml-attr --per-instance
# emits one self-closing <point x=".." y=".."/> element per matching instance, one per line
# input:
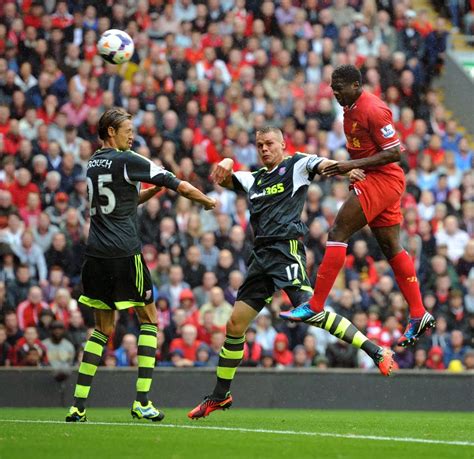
<point x="375" y="148"/>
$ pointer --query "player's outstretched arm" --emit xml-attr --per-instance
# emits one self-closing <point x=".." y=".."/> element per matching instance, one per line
<point x="147" y="194"/>
<point x="355" y="175"/>
<point x="392" y="155"/>
<point x="222" y="174"/>
<point x="191" y="192"/>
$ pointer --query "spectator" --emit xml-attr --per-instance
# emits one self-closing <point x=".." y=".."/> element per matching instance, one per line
<point x="236" y="279"/>
<point x="209" y="252"/>
<point x="193" y="270"/>
<point x="435" y="359"/>
<point x="126" y="354"/>
<point x="148" y="220"/>
<point x="341" y="355"/>
<point x="28" y="311"/>
<point x="202" y="293"/>
<point x="455" y="349"/>
<point x="175" y="286"/>
<point x="266" y="333"/>
<point x="188" y="345"/>
<point x="225" y="265"/>
<point x="59" y="254"/>
<point x="77" y="332"/>
<point x="63" y="305"/>
<point x="469" y="360"/>
<point x="59" y="350"/>
<point x="187" y="304"/>
<point x="5" y="348"/>
<point x="14" y="333"/>
<point x="57" y="212"/>
<point x="76" y="110"/>
<point x="455" y="238"/>
<point x="30" y="341"/>
<point x="21" y="188"/>
<point x="160" y="275"/>
<point x="420" y="359"/>
<point x="252" y="350"/>
<point x="362" y="264"/>
<point x="56" y="280"/>
<point x="221" y="308"/>
<point x="30" y="253"/>
<point x="281" y="354"/>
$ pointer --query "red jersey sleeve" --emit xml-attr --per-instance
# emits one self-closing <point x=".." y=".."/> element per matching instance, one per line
<point x="381" y="127"/>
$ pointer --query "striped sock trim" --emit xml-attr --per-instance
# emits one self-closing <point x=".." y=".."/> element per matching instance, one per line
<point x="99" y="336"/>
<point x="336" y="244"/>
<point x="234" y="340"/>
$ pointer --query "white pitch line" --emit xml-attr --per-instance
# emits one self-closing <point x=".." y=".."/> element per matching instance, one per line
<point x="243" y="429"/>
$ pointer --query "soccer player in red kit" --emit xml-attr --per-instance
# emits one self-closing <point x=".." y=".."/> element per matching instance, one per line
<point x="375" y="149"/>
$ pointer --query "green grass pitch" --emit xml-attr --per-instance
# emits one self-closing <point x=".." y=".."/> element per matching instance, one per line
<point x="237" y="433"/>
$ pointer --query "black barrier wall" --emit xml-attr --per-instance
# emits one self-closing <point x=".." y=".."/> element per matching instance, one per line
<point x="332" y="389"/>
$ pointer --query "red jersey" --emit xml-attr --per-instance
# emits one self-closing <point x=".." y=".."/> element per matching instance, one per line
<point x="189" y="352"/>
<point x="369" y="129"/>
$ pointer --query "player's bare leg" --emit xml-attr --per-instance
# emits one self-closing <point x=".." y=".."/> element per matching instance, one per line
<point x="420" y="320"/>
<point x="147" y="341"/>
<point x="349" y="220"/>
<point x="230" y="357"/>
<point x="104" y="326"/>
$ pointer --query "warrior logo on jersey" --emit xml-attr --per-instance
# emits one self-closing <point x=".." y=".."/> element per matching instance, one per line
<point x="388" y="131"/>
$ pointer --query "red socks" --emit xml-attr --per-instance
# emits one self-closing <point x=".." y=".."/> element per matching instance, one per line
<point x="333" y="261"/>
<point x="405" y="276"/>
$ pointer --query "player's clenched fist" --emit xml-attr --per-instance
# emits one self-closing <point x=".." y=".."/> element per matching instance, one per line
<point x="223" y="170"/>
<point x="211" y="204"/>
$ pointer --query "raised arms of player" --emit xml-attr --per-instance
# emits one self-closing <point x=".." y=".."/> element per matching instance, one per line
<point x="140" y="169"/>
<point x="306" y="167"/>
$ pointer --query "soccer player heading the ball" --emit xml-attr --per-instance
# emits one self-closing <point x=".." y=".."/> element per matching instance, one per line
<point x="114" y="274"/>
<point x="375" y="148"/>
<point x="277" y="194"/>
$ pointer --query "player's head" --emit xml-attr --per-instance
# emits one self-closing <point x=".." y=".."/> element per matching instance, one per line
<point x="116" y="128"/>
<point x="346" y="84"/>
<point x="270" y="146"/>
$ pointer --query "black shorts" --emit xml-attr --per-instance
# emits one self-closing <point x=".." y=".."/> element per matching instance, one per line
<point x="279" y="266"/>
<point x="116" y="283"/>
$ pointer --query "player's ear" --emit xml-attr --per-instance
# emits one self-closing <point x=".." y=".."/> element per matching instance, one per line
<point x="111" y="131"/>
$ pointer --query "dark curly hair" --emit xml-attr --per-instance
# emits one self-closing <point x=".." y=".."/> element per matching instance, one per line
<point x="347" y="74"/>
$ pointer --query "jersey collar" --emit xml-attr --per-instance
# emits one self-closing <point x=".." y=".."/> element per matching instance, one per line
<point x="354" y="105"/>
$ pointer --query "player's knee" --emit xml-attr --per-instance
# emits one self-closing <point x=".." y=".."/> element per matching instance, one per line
<point x="105" y="329"/>
<point x="337" y="234"/>
<point x="390" y="249"/>
<point x="235" y="327"/>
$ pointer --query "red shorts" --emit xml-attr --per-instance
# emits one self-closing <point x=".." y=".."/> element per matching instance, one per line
<point x="379" y="196"/>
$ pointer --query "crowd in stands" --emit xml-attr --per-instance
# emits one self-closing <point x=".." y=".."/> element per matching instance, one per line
<point x="460" y="13"/>
<point x="204" y="76"/>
